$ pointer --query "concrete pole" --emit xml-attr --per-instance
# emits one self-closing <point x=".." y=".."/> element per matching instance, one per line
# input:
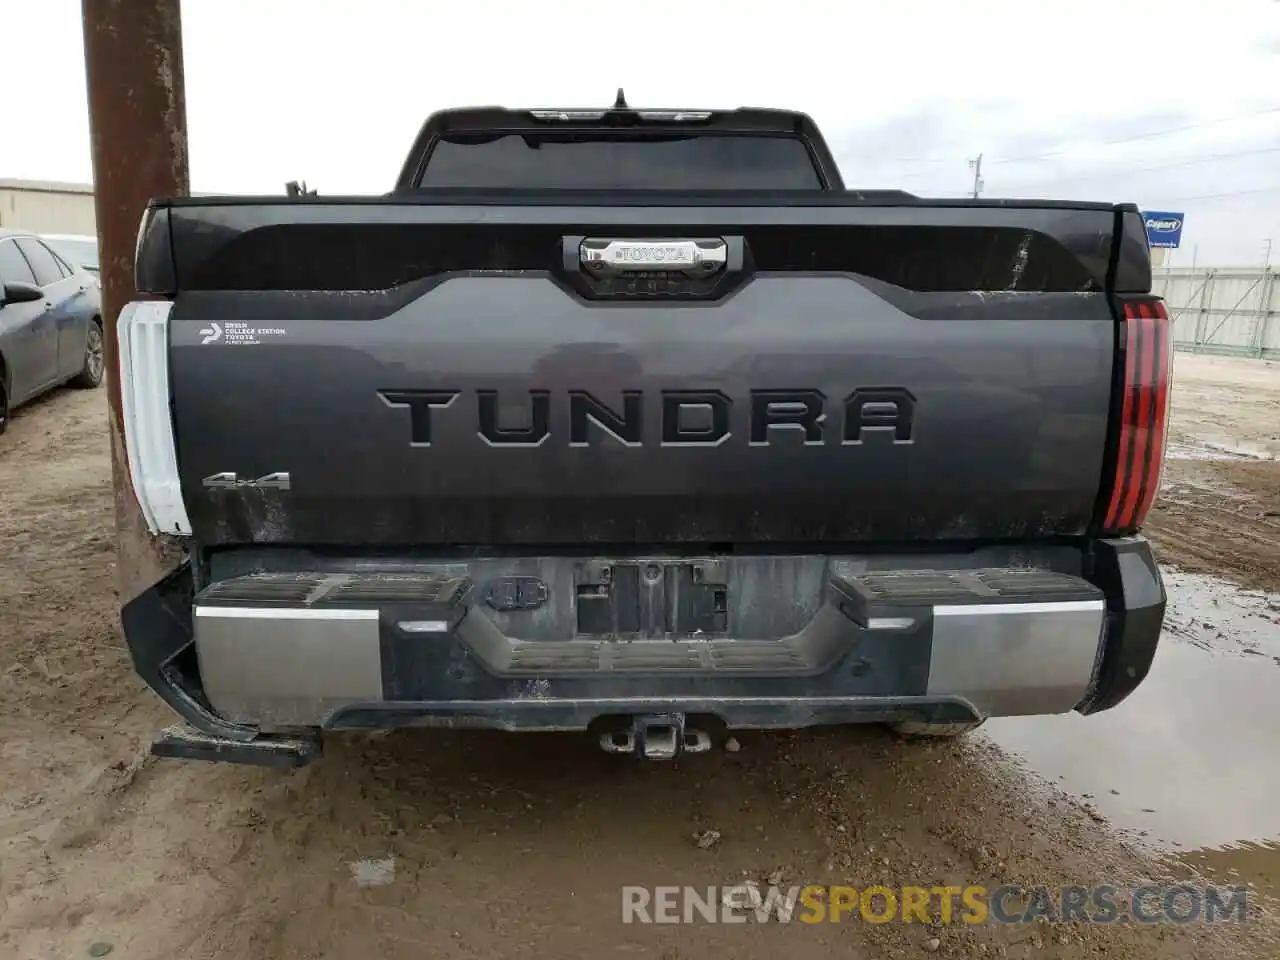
<point x="138" y="133"/>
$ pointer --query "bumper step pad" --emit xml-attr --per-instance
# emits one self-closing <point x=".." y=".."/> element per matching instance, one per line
<point x="902" y="593"/>
<point x="325" y="590"/>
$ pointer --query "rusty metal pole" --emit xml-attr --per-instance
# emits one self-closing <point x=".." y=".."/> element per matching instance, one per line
<point x="138" y="131"/>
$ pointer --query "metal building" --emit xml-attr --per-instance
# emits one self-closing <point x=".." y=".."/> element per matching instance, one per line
<point x="47" y="207"/>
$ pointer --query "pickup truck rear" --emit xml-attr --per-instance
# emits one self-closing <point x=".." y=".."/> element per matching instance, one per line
<point x="651" y="462"/>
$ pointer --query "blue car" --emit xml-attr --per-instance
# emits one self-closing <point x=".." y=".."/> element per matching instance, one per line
<point x="50" y="322"/>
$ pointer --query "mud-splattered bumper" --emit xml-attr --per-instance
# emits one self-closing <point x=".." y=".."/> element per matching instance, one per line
<point x="261" y="653"/>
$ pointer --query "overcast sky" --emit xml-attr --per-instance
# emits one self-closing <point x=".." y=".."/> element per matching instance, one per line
<point x="1171" y="104"/>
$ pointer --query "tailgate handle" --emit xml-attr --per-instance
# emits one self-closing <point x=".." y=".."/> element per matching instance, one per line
<point x="602" y="257"/>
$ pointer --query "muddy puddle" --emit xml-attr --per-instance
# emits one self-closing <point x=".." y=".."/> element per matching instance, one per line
<point x="1190" y="763"/>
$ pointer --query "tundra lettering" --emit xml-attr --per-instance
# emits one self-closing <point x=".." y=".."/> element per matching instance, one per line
<point x="689" y="418"/>
<point x="787" y="408"/>
<point x="879" y="408"/>
<point x="531" y="436"/>
<point x="625" y="428"/>
<point x="677" y="412"/>
<point x="419" y="403"/>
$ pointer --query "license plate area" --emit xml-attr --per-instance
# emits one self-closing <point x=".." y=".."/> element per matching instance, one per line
<point x="652" y="599"/>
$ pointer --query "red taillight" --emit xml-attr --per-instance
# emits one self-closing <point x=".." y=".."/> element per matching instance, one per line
<point x="1147" y="339"/>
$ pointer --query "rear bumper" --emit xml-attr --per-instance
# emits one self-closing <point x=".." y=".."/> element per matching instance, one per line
<point x="400" y="651"/>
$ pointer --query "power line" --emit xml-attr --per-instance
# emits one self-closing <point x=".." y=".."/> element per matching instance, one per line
<point x="1146" y="136"/>
<point x="1099" y="174"/>
<point x="1152" y="134"/>
<point x="1231" y="193"/>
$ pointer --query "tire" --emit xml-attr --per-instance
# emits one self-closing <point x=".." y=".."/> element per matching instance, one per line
<point x="94" y="359"/>
<point x="4" y="406"/>
<point x="916" y="729"/>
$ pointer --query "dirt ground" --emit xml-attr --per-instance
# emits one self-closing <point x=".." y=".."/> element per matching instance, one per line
<point x="1219" y="506"/>
<point x="455" y="845"/>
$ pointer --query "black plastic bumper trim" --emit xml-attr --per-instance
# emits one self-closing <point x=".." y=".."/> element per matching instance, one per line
<point x="157" y="629"/>
<point x="1126" y="571"/>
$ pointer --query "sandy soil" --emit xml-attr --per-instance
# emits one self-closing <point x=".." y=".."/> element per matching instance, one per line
<point x="480" y="845"/>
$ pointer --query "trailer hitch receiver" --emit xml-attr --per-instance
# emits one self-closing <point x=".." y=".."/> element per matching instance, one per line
<point x="656" y="736"/>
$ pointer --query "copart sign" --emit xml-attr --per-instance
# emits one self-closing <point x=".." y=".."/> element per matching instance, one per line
<point x="1164" y="229"/>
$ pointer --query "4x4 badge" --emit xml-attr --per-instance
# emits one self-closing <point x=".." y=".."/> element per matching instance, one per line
<point x="231" y="481"/>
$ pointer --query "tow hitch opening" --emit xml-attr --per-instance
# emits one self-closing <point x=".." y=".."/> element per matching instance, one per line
<point x="661" y="736"/>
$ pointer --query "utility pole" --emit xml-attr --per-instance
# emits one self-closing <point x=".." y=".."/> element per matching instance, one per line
<point x="976" y="166"/>
<point x="1266" y="255"/>
<point x="138" y="135"/>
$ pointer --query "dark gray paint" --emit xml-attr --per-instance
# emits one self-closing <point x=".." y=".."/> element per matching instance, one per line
<point x="1010" y="425"/>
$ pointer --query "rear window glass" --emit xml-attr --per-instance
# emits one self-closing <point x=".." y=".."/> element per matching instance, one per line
<point x="611" y="162"/>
